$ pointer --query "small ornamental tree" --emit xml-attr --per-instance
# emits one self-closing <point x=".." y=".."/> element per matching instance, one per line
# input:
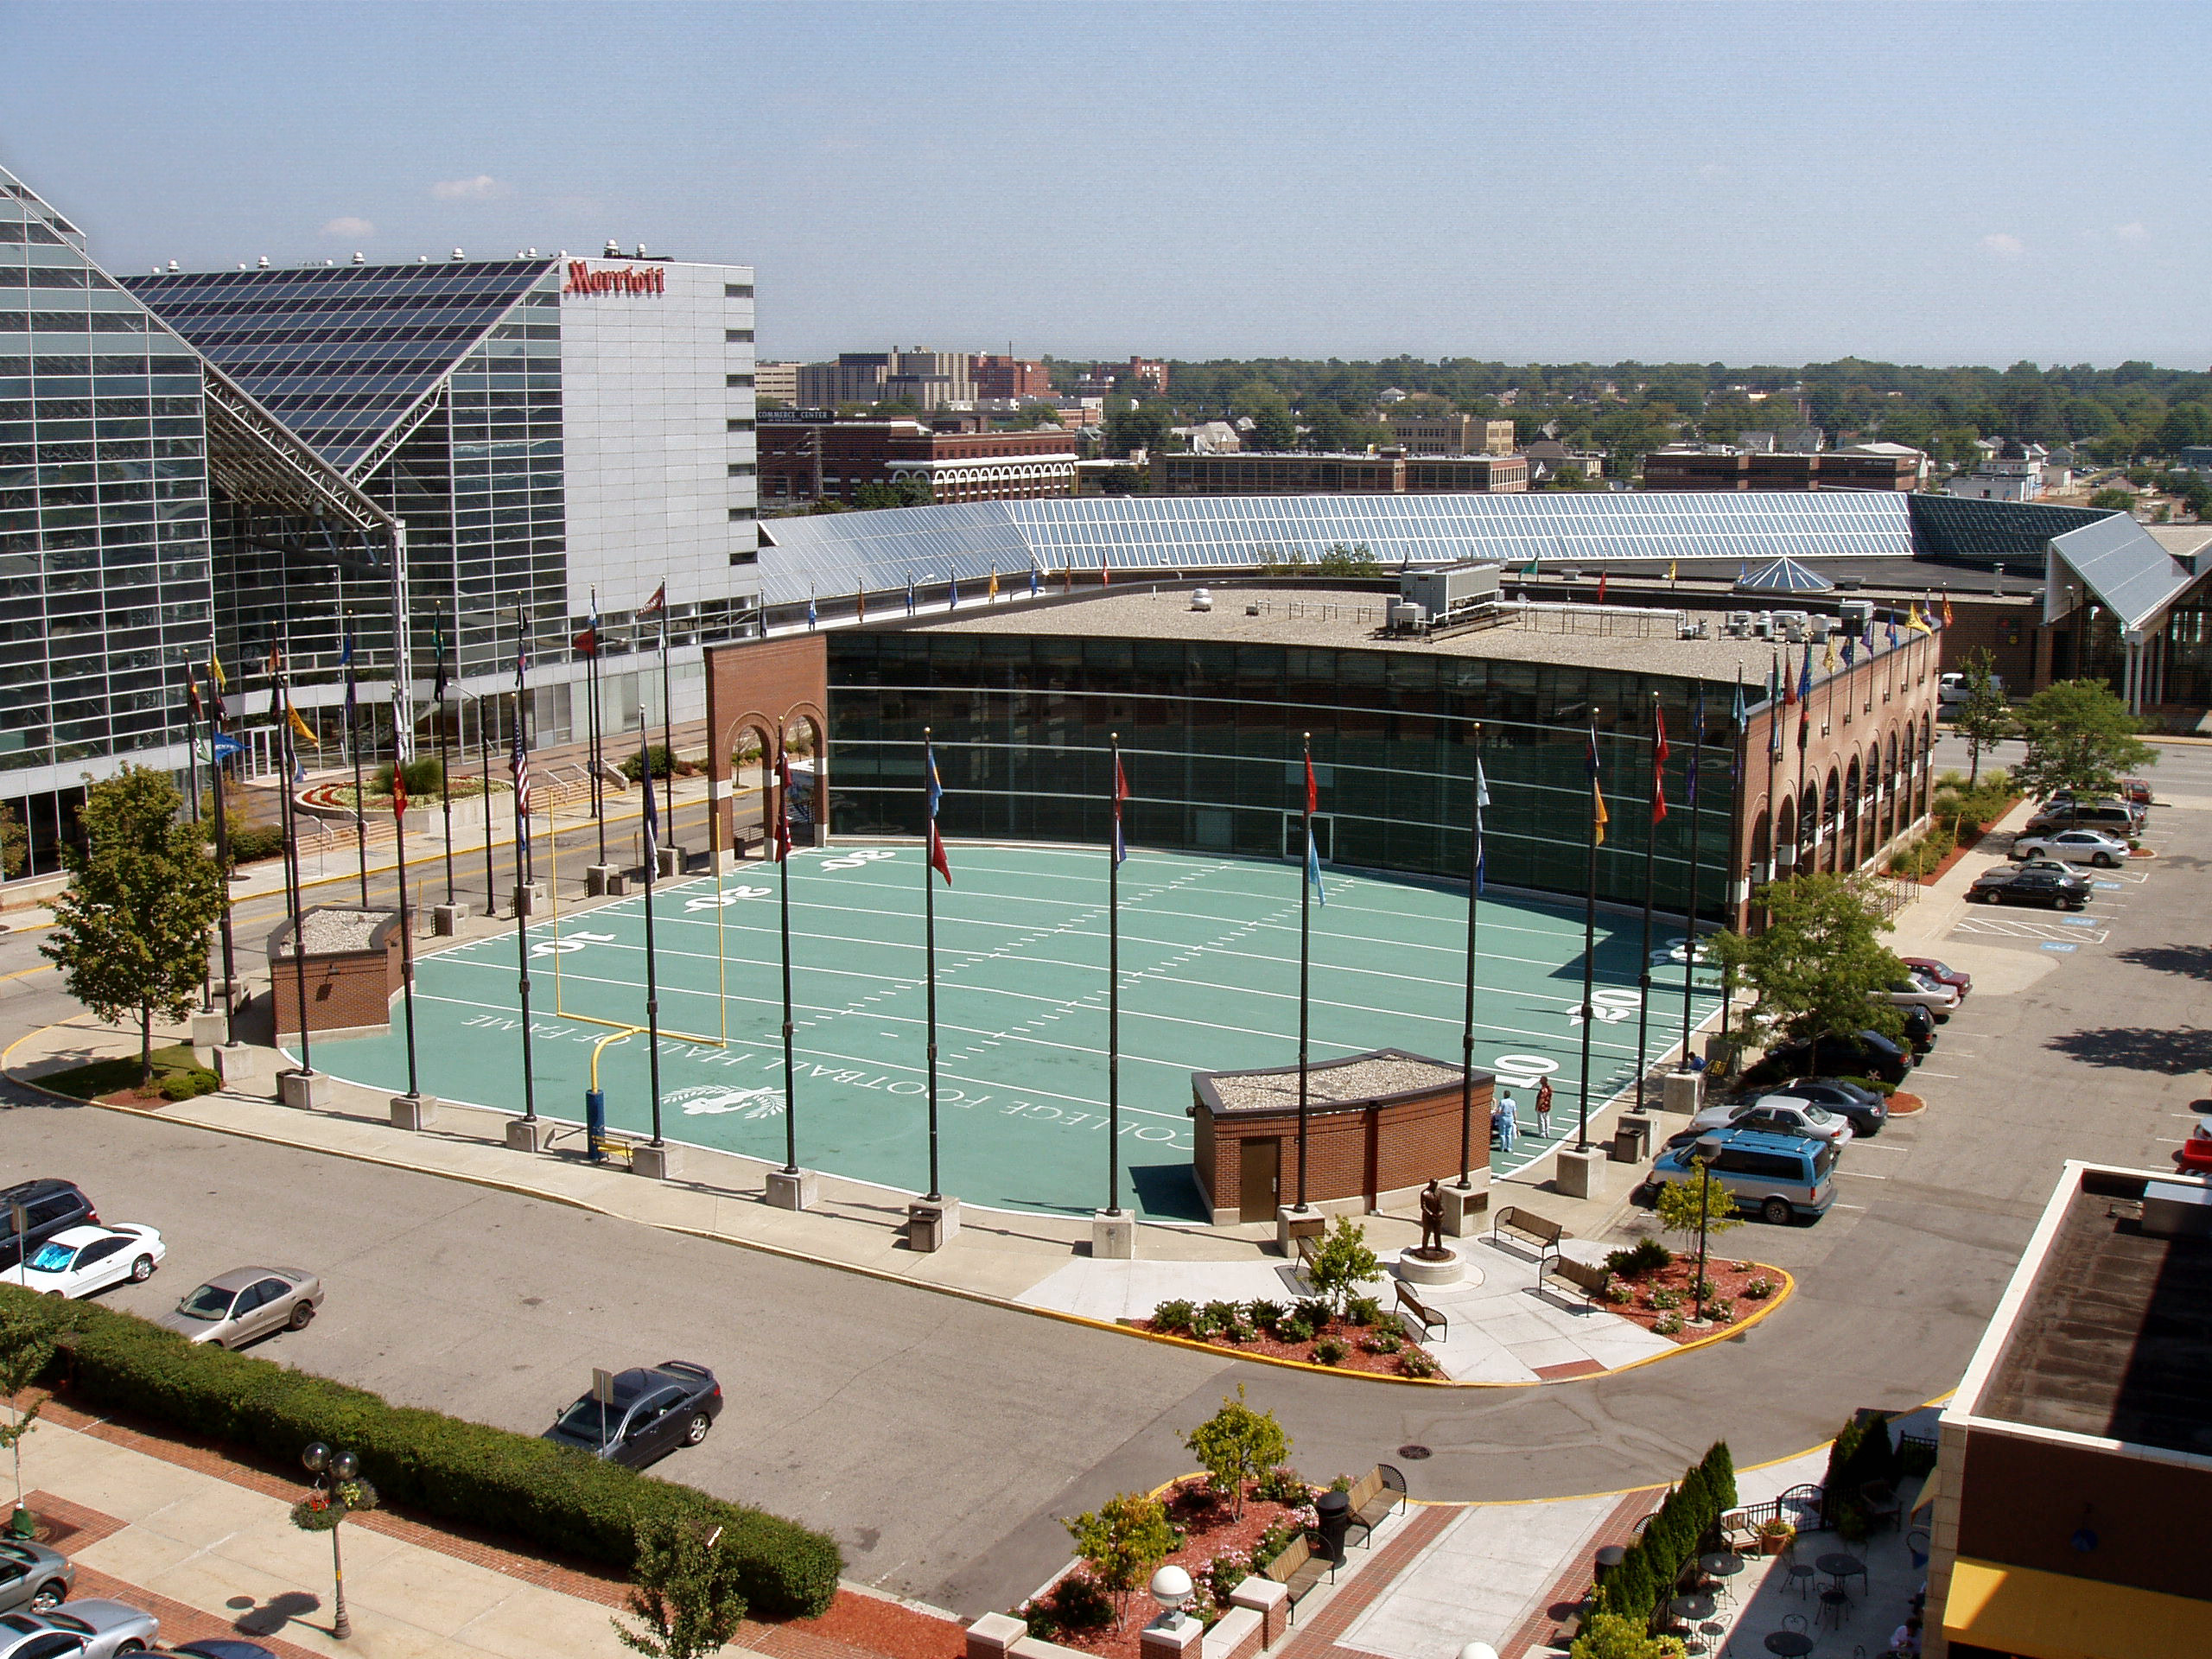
<point x="15" y="844"/>
<point x="1609" y="1636"/>
<point x="1985" y="718"/>
<point x="684" y="1591"/>
<point x="1121" y="1541"/>
<point x="130" y="930"/>
<point x="2079" y="736"/>
<point x="1819" y="968"/>
<point x="1677" y="1207"/>
<point x="1342" y="1262"/>
<point x="1236" y="1444"/>
<point x="24" y="1351"/>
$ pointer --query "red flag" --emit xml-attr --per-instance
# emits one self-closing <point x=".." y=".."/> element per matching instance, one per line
<point x="1105" y="576"/>
<point x="588" y="641"/>
<point x="1313" y="795"/>
<point x="657" y="604"/>
<point x="937" y="854"/>
<point x="1602" y="575"/>
<point x="399" y="792"/>
<point x="1659" y="753"/>
<point x="783" y="803"/>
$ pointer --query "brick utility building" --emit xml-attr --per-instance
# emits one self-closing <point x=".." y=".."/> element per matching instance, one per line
<point x="1012" y="377"/>
<point x="1263" y="473"/>
<point x="807" y="460"/>
<point x="2076" y="1450"/>
<point x="1869" y="466"/>
<point x="1451" y="435"/>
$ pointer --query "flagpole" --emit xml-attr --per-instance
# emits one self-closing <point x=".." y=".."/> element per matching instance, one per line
<point x="652" y="972"/>
<point x="1114" y="988"/>
<point x="289" y="758"/>
<point x="406" y="924"/>
<point x="521" y="765"/>
<point x="1696" y="803"/>
<point x="596" y="749"/>
<point x="1304" y="962"/>
<point x="1650" y="860"/>
<point x="1773" y="776"/>
<point x="445" y="769"/>
<point x="360" y="795"/>
<point x="222" y="854"/>
<point x="1467" y="1028"/>
<point x="667" y="726"/>
<point x="1589" y="944"/>
<point x="784" y="927"/>
<point x="484" y="766"/>
<point x="1804" y="736"/>
<point x="1736" y="859"/>
<point x="929" y="940"/>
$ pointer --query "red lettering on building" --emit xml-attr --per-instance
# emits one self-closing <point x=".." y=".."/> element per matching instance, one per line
<point x="625" y="279"/>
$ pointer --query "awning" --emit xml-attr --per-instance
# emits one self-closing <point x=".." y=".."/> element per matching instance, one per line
<point x="1927" y="1491"/>
<point x="2049" y="1616"/>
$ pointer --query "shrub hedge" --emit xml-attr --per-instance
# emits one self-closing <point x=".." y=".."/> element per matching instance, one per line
<point x="548" y="1495"/>
<point x="1646" y="1576"/>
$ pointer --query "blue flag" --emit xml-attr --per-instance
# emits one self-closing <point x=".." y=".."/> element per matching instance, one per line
<point x="652" y="815"/>
<point x="1033" y="582"/>
<point x="1313" y="866"/>
<point x="811" y="616"/>
<point x="952" y="594"/>
<point x="910" y="596"/>
<point x="1697" y="744"/>
<point x="1893" y="630"/>
<point x="938" y="860"/>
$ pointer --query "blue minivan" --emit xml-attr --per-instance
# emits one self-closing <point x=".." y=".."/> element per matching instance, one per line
<point x="1780" y="1176"/>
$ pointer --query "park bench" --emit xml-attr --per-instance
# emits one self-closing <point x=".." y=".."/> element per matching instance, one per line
<point x="1377" y="1494"/>
<point x="1544" y="1235"/>
<point x="1309" y="1245"/>
<point x="1297" y="1569"/>
<point x="1587" y="1277"/>
<point x="1427" y="1318"/>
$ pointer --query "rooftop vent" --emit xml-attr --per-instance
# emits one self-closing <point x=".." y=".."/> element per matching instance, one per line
<point x="613" y="248"/>
<point x="458" y="254"/>
<point x="262" y="263"/>
<point x="357" y="257"/>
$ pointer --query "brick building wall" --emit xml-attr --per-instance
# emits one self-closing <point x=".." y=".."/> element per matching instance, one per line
<point x="348" y="991"/>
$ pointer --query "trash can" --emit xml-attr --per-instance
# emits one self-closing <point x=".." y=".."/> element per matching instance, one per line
<point x="1333" y="1512"/>
<point x="1631" y="1138"/>
<point x="924" y="1226"/>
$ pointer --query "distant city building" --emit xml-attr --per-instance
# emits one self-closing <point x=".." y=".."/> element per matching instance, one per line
<point x="776" y="380"/>
<point x="1020" y="377"/>
<point x="1268" y="474"/>
<point x="1451" y="435"/>
<point x="2011" y="473"/>
<point x="1547" y="457"/>
<point x="930" y="379"/>
<point x="807" y="460"/>
<point x="1144" y="374"/>
<point x="1210" y="438"/>
<point x="1803" y="439"/>
<point x="1868" y="466"/>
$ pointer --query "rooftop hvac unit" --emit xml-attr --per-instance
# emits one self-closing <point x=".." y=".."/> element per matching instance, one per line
<point x="1445" y="592"/>
<point x="1790" y="625"/>
<point x="1407" y="617"/>
<point x="1738" y="624"/>
<point x="1858" y="614"/>
<point x="1820" y="627"/>
<point x="1763" y="625"/>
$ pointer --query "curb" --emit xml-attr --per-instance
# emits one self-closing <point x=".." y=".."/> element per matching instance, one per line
<point x="1787" y="1288"/>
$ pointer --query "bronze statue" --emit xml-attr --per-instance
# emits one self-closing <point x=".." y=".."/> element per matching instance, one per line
<point x="1432" y="1220"/>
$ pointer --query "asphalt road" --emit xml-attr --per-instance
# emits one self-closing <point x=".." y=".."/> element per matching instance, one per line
<point x="940" y="1440"/>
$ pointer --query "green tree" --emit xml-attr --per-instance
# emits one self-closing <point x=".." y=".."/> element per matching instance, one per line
<point x="2079" y="736"/>
<point x="1273" y="428"/>
<point x="2185" y="424"/>
<point x="1985" y="718"/>
<point x="2114" y="500"/>
<point x="1038" y="414"/>
<point x="1609" y="1636"/>
<point x="15" y="844"/>
<point x="1342" y="1262"/>
<point x="1121" y="1541"/>
<point x="24" y="1351"/>
<point x="684" y="1591"/>
<point x="1819" y="968"/>
<point x="1677" y="1206"/>
<point x="1143" y="427"/>
<point x="1236" y="1444"/>
<point x="130" y="930"/>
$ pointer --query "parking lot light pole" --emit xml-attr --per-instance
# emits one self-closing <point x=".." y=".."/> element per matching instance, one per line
<point x="1708" y="1149"/>
<point x="341" y="1467"/>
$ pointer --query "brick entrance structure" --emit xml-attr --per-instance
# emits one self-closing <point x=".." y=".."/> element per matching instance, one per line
<point x="755" y="691"/>
<point x="1379" y="1126"/>
<point x="352" y="971"/>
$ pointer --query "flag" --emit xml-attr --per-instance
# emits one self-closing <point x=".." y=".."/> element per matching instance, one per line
<point x="1947" y="610"/>
<point x="1660" y="751"/>
<point x="519" y="768"/>
<point x="952" y="594"/>
<point x="657" y="605"/>
<point x="1105" y="576"/>
<point x="215" y="668"/>
<point x="275" y="663"/>
<point x="399" y="792"/>
<point x="1531" y="569"/>
<point x="1312" y="794"/>
<point x="1828" y="655"/>
<point x="1482" y="800"/>
<point x="1850" y="650"/>
<point x="1599" y="818"/>
<point x="1313" y="868"/>
<point x="994" y="595"/>
<point x="1805" y="701"/>
<point x="811" y="616"/>
<point x="1776" y="686"/>
<point x="1805" y="677"/>
<point x="306" y="733"/>
<point x="783" y="803"/>
<point x="1697" y="743"/>
<point x="1917" y="623"/>
<point x="860" y="605"/>
<point x="1673" y="566"/>
<point x="652" y="814"/>
<point x="438" y="684"/>
<point x="346" y="661"/>
<point x="1602" y="576"/>
<point x="938" y="860"/>
<point x="1033" y="582"/>
<point x="586" y="640"/>
<point x="910" y="596"/>
<point x="192" y="698"/>
<point x="1120" y="794"/>
<point x="1893" y="630"/>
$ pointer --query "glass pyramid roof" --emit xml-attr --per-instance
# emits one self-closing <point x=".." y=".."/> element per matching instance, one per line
<point x="1783" y="576"/>
<point x="338" y="353"/>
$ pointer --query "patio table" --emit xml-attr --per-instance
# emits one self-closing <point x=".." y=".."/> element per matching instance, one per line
<point x="1789" y="1645"/>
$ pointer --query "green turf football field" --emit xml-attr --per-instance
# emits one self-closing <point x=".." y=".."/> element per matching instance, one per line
<point x="1210" y="982"/>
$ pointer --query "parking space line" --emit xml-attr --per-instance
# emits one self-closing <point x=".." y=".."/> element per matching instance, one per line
<point x="1876" y="1145"/>
<point x="1946" y="1076"/>
<point x="1862" y="1174"/>
<point x="1847" y="1206"/>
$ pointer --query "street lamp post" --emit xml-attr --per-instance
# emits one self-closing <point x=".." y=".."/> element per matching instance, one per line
<point x="1708" y="1149"/>
<point x="344" y="1493"/>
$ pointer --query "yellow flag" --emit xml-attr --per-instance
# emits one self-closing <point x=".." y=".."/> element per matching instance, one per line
<point x="306" y="732"/>
<point x="1599" y="816"/>
<point x="1916" y="623"/>
<point x="1828" y="657"/>
<point x="1672" y="565"/>
<point x="994" y="584"/>
<point x="215" y="667"/>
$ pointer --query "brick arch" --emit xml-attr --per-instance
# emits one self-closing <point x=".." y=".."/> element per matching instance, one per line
<point x="764" y="686"/>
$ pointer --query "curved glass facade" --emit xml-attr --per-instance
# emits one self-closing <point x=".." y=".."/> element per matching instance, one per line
<point x="1210" y="738"/>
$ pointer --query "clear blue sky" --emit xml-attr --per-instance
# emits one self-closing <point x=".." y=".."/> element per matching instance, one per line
<point x="1934" y="183"/>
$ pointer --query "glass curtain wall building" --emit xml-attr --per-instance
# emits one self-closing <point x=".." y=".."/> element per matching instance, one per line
<point x="1212" y="736"/>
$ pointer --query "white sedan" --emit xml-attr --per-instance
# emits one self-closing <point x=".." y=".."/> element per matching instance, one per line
<point x="1917" y="991"/>
<point x="2076" y="847"/>
<point x="81" y="1260"/>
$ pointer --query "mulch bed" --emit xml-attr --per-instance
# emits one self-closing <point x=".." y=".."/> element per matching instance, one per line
<point x="2141" y="852"/>
<point x="1356" y="1358"/>
<point x="1949" y="858"/>
<point x="1211" y="1530"/>
<point x="1902" y="1104"/>
<point x="1729" y="1277"/>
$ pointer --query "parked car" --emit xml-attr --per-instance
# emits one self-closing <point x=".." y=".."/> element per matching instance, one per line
<point x="2069" y="800"/>
<point x="1862" y="1054"/>
<point x="233" y="1308"/>
<point x="2136" y="792"/>
<point x="1776" y="1113"/>
<point x="2196" y="1154"/>
<point x="79" y="1261"/>
<point x="1863" y="1109"/>
<point x="1942" y="973"/>
<point x="653" y="1411"/>
<point x="33" y="1576"/>
<point x="2074" y="847"/>
<point x="1919" y="1029"/>
<point x="1914" y="992"/>
<point x="2064" y="891"/>
<point x="102" y="1629"/>
<point x="2111" y="816"/>
<point x="50" y="1205"/>
<point x="1780" y="1176"/>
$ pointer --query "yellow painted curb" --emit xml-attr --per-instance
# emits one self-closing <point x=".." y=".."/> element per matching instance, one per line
<point x="1226" y="1354"/>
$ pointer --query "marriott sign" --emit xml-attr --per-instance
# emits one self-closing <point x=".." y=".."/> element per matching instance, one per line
<point x="626" y="279"/>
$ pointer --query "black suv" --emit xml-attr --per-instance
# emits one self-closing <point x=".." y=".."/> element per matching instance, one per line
<point x="2031" y="884"/>
<point x="50" y="1205"/>
<point x="1863" y="1054"/>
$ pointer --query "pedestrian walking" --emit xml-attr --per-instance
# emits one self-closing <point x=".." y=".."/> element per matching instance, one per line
<point x="1543" y="1108"/>
<point x="1506" y="1119"/>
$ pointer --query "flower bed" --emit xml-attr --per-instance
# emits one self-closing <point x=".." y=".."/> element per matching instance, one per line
<point x="1661" y="1300"/>
<point x="340" y="798"/>
<point x="1904" y="1104"/>
<point x="1216" y="1551"/>
<point x="1371" y="1340"/>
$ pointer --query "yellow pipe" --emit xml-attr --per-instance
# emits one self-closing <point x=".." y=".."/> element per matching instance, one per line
<point x="611" y="1036"/>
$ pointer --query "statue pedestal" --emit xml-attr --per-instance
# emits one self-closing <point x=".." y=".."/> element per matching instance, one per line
<point x="1416" y="1269"/>
<point x="1466" y="1207"/>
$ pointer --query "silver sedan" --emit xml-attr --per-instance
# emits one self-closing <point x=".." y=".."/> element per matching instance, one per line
<point x="102" y="1629"/>
<point x="234" y="1309"/>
